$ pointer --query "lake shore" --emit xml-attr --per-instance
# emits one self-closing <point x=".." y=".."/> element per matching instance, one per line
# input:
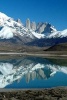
<point x="58" y="93"/>
<point x="37" y="54"/>
<point x="49" y="54"/>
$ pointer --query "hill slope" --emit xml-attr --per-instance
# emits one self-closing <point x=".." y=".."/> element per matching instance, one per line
<point x="58" y="47"/>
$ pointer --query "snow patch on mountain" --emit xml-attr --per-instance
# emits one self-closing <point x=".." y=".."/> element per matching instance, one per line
<point x="53" y="29"/>
<point x="6" y="33"/>
<point x="3" y="16"/>
<point x="60" y="34"/>
<point x="37" y="35"/>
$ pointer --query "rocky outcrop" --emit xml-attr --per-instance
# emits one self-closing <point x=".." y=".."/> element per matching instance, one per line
<point x="33" y="26"/>
<point x="28" y="23"/>
<point x="19" y="21"/>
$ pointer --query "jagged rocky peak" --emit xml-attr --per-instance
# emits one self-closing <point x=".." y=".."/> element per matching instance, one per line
<point x="19" y="21"/>
<point x="45" y="28"/>
<point x="41" y="27"/>
<point x="33" y="26"/>
<point x="28" y="23"/>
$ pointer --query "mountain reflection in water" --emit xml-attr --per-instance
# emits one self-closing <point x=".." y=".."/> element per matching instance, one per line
<point x="30" y="68"/>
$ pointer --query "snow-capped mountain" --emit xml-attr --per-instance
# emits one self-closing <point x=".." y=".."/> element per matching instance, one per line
<point x="40" y="33"/>
<point x="10" y="28"/>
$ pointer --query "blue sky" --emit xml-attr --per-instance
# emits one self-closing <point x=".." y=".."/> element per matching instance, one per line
<point x="52" y="11"/>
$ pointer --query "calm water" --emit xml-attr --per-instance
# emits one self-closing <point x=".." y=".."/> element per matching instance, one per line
<point x="33" y="72"/>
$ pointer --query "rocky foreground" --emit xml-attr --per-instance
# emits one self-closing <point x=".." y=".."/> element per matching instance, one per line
<point x="42" y="94"/>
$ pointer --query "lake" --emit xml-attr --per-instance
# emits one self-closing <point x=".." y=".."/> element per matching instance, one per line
<point x="32" y="72"/>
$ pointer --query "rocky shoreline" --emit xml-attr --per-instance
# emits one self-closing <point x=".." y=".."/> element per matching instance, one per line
<point x="34" y="94"/>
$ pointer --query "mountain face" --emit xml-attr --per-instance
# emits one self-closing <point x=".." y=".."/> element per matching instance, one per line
<point x="39" y="34"/>
<point x="45" y="28"/>
<point x="9" y="28"/>
<point x="42" y="28"/>
<point x="47" y="42"/>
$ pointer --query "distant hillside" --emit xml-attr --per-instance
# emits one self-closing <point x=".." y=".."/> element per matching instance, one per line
<point x="58" y="47"/>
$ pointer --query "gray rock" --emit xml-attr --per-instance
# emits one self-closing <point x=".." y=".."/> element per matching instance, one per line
<point x="45" y="28"/>
<point x="19" y="21"/>
<point x="33" y="26"/>
<point x="28" y="23"/>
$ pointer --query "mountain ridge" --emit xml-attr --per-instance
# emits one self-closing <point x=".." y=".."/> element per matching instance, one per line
<point x="17" y="32"/>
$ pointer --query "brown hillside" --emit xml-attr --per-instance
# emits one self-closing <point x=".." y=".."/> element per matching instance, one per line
<point x="58" y="47"/>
